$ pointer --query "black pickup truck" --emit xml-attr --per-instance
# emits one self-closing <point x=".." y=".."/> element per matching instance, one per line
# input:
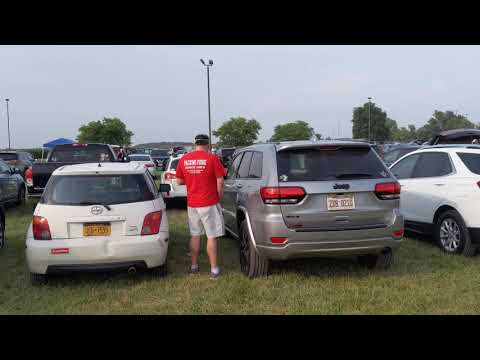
<point x="37" y="176"/>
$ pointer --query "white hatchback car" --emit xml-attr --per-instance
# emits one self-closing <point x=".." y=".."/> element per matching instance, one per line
<point x="169" y="177"/>
<point x="441" y="195"/>
<point x="98" y="217"/>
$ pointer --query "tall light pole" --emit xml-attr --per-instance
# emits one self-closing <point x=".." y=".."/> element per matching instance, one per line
<point x="210" y="63"/>
<point x="369" y="106"/>
<point x="8" y="123"/>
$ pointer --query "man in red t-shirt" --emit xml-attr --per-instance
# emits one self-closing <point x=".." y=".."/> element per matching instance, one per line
<point x="203" y="173"/>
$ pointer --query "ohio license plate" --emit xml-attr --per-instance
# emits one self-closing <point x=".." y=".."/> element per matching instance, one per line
<point x="97" y="229"/>
<point x="340" y="202"/>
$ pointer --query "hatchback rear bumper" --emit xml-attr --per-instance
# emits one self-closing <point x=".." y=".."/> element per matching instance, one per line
<point x="44" y="256"/>
<point x="117" y="266"/>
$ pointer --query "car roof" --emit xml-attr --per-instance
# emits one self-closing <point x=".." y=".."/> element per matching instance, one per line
<point x="460" y="131"/>
<point x="104" y="168"/>
<point x="306" y="144"/>
<point x="448" y="149"/>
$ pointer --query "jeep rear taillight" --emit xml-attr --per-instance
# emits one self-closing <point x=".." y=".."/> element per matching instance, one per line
<point x="388" y="190"/>
<point x="29" y="176"/>
<point x="282" y="195"/>
<point x="41" y="229"/>
<point x="151" y="223"/>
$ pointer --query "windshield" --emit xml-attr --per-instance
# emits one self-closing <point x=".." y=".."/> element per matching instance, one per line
<point x="96" y="189"/>
<point x="159" y="153"/>
<point x="8" y="156"/>
<point x="139" y="157"/>
<point x="323" y="165"/>
<point x="81" y="154"/>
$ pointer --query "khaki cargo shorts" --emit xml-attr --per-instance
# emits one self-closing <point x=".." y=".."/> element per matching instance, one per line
<point x="206" y="220"/>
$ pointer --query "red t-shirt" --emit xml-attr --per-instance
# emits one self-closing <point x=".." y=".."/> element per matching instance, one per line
<point x="200" y="170"/>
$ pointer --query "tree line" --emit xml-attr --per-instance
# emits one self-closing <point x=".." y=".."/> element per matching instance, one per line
<point x="369" y="121"/>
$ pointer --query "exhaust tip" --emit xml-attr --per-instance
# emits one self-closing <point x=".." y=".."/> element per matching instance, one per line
<point x="132" y="270"/>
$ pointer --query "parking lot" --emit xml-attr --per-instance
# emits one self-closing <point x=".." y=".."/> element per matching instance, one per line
<point x="422" y="280"/>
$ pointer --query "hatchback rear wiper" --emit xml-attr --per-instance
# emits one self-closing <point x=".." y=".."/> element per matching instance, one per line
<point x="356" y="174"/>
<point x="95" y="203"/>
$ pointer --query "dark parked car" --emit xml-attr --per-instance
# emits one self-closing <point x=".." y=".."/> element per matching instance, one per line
<point x="37" y="176"/>
<point x="12" y="185"/>
<point x="2" y="228"/>
<point x="457" y="136"/>
<point x="396" y="153"/>
<point x="160" y="157"/>
<point x="18" y="159"/>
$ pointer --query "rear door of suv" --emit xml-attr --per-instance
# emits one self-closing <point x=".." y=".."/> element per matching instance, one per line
<point x="339" y="185"/>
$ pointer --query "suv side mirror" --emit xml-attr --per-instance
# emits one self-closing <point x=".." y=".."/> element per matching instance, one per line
<point x="164" y="188"/>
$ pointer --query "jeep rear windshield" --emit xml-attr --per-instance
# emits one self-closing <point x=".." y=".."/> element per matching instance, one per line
<point x="324" y="164"/>
<point x="159" y="153"/>
<point x="471" y="161"/>
<point x="96" y="189"/>
<point x="81" y="154"/>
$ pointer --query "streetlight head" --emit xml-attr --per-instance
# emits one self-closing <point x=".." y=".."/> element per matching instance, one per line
<point x="210" y="62"/>
<point x="7" y="99"/>
<point x="203" y="62"/>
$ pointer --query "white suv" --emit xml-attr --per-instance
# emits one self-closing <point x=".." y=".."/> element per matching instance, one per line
<point x="441" y="195"/>
<point x="98" y="217"/>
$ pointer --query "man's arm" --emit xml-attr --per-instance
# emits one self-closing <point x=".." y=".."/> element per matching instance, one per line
<point x="220" y="186"/>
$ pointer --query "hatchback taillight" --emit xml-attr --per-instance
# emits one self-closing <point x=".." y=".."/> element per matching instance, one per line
<point x="282" y="195"/>
<point x="170" y="176"/>
<point x="388" y="191"/>
<point x="151" y="223"/>
<point x="41" y="229"/>
<point x="29" y="176"/>
<point x="478" y="183"/>
<point x="149" y="165"/>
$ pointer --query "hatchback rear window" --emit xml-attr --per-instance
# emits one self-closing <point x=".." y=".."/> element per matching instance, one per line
<point x="316" y="164"/>
<point x="471" y="161"/>
<point x="8" y="157"/>
<point x="96" y="189"/>
<point x="173" y="165"/>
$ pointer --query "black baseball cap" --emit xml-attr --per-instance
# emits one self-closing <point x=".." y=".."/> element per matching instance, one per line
<point x="202" y="139"/>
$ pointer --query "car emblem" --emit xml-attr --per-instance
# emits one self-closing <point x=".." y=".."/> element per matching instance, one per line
<point x="96" y="210"/>
<point x="341" y="186"/>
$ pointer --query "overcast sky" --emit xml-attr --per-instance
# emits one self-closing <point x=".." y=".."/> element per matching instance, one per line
<point x="160" y="92"/>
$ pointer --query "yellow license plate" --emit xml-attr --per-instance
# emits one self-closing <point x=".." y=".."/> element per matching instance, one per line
<point x="97" y="229"/>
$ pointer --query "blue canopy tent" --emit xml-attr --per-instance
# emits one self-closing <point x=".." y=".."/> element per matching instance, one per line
<point x="60" y="141"/>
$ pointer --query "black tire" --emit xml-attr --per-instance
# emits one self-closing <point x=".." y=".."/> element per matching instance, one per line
<point x="457" y="241"/>
<point x="21" y="196"/>
<point x="382" y="261"/>
<point x="252" y="264"/>
<point x="160" y="271"/>
<point x="38" y="279"/>
<point x="2" y="232"/>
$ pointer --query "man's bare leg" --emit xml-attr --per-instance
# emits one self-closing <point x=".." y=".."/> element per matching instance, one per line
<point x="194" y="250"/>
<point x="212" y="252"/>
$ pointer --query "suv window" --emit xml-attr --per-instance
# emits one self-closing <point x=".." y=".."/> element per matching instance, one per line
<point x="471" y="161"/>
<point x="4" y="168"/>
<point x="245" y="165"/>
<point x="96" y="189"/>
<point x="404" y="168"/>
<point x="87" y="153"/>
<point x="233" y="168"/>
<point x="256" y="166"/>
<point x="432" y="165"/>
<point x="320" y="164"/>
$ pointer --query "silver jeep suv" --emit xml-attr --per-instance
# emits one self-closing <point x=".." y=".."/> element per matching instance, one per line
<point x="311" y="199"/>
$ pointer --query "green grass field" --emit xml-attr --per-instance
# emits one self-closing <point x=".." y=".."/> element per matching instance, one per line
<point x="422" y="280"/>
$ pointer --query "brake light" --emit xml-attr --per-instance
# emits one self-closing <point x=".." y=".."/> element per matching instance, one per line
<point x="41" y="229"/>
<point x="149" y="165"/>
<point x="151" y="223"/>
<point x="388" y="191"/>
<point x="170" y="176"/>
<point x="398" y="233"/>
<point x="278" y="240"/>
<point x="76" y="144"/>
<point x="282" y="195"/>
<point x="29" y="176"/>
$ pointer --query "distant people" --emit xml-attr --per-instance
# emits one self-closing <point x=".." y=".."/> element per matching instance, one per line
<point x="202" y="172"/>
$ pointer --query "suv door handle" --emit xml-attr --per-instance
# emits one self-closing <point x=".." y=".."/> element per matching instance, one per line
<point x="439" y="184"/>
